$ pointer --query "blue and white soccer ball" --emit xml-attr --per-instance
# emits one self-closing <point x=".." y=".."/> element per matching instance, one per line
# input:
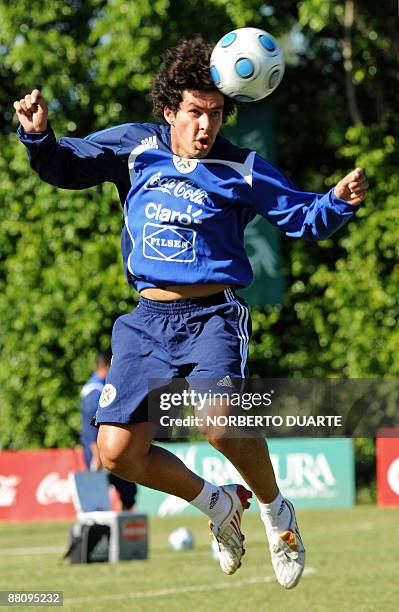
<point x="181" y="539"/>
<point x="247" y="64"/>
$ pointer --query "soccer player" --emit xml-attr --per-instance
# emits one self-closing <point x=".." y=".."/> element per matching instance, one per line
<point x="187" y="195"/>
<point x="90" y="395"/>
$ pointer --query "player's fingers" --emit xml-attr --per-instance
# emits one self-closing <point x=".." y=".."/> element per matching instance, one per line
<point x="356" y="199"/>
<point x="354" y="176"/>
<point x="31" y="106"/>
<point x="23" y="106"/>
<point x="358" y="192"/>
<point x="358" y="173"/>
<point x="36" y="96"/>
<point x="361" y="184"/>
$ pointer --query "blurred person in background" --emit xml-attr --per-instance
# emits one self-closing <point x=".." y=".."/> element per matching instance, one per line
<point x="90" y="395"/>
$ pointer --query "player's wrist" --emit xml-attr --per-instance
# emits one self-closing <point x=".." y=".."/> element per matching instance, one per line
<point x="42" y="129"/>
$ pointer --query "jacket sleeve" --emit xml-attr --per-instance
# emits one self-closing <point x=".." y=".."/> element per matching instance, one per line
<point x="299" y="214"/>
<point x="76" y="163"/>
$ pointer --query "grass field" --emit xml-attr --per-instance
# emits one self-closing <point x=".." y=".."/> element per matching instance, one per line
<point x="352" y="561"/>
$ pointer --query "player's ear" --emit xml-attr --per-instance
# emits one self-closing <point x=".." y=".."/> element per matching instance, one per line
<point x="169" y="115"/>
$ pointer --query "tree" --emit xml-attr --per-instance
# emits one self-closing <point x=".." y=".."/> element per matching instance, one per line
<point x="340" y="314"/>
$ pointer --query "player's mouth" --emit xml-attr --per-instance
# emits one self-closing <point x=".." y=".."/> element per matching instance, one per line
<point x="203" y="143"/>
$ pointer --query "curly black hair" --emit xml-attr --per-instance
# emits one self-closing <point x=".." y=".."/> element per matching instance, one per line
<point x="186" y="66"/>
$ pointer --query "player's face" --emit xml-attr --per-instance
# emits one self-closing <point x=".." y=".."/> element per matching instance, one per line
<point x="196" y="123"/>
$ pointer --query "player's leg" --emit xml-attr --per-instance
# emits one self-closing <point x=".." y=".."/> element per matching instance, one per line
<point x="222" y="358"/>
<point x="128" y="452"/>
<point x="250" y="457"/>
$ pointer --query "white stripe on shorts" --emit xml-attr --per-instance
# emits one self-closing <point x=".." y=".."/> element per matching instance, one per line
<point x="243" y="318"/>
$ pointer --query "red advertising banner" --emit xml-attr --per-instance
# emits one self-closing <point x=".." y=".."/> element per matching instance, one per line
<point x="387" y="451"/>
<point x="34" y="484"/>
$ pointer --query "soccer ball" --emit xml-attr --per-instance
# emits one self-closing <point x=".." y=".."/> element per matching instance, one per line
<point x="247" y="64"/>
<point x="181" y="539"/>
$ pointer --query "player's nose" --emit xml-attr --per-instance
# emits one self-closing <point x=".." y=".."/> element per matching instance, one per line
<point x="204" y="123"/>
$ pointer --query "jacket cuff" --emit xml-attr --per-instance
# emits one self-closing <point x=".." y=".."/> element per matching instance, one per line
<point x="341" y="205"/>
<point x="36" y="138"/>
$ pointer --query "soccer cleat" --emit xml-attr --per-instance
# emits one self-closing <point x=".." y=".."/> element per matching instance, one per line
<point x="228" y="534"/>
<point x="288" y="553"/>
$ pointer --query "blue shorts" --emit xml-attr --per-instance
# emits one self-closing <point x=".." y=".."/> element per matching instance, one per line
<point x="197" y="339"/>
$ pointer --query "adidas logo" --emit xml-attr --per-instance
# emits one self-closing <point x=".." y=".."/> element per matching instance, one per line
<point x="225" y="382"/>
<point x="214" y="499"/>
<point x="281" y="507"/>
<point x="150" y="142"/>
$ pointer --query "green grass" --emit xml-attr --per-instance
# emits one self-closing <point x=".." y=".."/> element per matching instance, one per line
<point x="352" y="560"/>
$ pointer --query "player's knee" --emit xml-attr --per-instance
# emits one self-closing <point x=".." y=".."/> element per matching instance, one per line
<point x="221" y="440"/>
<point x="215" y="434"/>
<point x="124" y="462"/>
<point x="216" y="440"/>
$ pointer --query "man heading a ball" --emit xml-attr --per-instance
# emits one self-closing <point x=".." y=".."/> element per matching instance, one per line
<point x="187" y="195"/>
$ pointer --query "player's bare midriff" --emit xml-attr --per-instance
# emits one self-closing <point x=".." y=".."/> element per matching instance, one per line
<point x="182" y="292"/>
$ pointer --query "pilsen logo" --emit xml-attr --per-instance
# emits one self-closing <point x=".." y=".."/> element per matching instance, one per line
<point x="179" y="189"/>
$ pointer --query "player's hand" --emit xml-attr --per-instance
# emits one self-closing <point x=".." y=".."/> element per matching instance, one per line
<point x="353" y="187"/>
<point x="32" y="112"/>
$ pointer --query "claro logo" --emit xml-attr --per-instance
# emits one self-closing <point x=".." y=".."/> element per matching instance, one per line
<point x="165" y="215"/>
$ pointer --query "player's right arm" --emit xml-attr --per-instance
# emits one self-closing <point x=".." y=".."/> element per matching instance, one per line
<point x="72" y="163"/>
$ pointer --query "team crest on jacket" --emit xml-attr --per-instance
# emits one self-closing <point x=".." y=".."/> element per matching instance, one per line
<point x="107" y="396"/>
<point x="183" y="165"/>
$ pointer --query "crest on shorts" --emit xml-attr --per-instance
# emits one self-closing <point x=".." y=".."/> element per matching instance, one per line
<point x="108" y="395"/>
<point x="184" y="165"/>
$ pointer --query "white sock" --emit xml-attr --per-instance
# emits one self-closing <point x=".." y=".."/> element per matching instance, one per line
<point x="213" y="502"/>
<point x="276" y="516"/>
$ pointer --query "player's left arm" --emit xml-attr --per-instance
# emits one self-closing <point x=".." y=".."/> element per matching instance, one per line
<point x="301" y="214"/>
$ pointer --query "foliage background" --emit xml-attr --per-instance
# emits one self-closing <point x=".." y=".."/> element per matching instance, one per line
<point x="61" y="279"/>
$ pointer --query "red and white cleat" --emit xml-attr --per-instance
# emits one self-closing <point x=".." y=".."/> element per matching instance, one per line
<point x="228" y="534"/>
